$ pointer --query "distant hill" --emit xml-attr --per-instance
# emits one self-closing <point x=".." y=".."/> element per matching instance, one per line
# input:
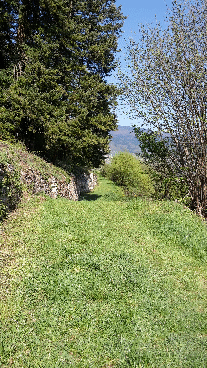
<point x="124" y="140"/>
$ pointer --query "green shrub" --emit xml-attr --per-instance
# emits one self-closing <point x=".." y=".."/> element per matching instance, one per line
<point x="129" y="172"/>
<point x="158" y="152"/>
<point x="10" y="185"/>
<point x="170" y="187"/>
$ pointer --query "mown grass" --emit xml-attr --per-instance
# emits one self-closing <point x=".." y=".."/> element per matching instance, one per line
<point x="104" y="282"/>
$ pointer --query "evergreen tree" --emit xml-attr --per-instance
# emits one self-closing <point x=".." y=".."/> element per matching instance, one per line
<point x="55" y="95"/>
<point x="5" y="34"/>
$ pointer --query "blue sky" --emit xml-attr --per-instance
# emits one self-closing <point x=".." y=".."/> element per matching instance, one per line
<point x="138" y="11"/>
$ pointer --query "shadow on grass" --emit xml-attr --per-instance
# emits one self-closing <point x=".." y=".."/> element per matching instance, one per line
<point x="89" y="197"/>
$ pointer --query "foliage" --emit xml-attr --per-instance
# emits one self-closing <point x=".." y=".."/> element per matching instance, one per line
<point x="156" y="150"/>
<point x="10" y="185"/>
<point x="103" y="283"/>
<point x="127" y="171"/>
<point x="56" y="57"/>
<point x="167" y="89"/>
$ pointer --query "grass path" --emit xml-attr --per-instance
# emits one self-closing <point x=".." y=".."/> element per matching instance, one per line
<point x="104" y="282"/>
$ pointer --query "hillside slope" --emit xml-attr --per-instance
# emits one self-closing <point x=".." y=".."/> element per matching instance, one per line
<point x="103" y="282"/>
<point x="124" y="139"/>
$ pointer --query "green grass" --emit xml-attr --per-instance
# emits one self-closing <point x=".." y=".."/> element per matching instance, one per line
<point x="103" y="282"/>
<point x="18" y="156"/>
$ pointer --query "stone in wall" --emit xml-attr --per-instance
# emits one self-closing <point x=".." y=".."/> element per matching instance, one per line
<point x="58" y="187"/>
<point x="86" y="182"/>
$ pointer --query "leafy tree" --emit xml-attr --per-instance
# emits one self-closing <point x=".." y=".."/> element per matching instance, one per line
<point x="157" y="152"/>
<point x="167" y="89"/>
<point x="55" y="96"/>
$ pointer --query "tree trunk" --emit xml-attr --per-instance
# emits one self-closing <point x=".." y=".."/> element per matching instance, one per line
<point x="198" y="195"/>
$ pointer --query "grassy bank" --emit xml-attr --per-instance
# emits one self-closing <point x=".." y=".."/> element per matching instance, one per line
<point x="22" y="171"/>
<point x="103" y="282"/>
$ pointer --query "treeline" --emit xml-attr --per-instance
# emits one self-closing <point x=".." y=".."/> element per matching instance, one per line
<point x="55" y="56"/>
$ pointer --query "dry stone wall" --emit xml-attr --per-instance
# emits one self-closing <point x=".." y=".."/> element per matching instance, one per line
<point x="52" y="186"/>
<point x="59" y="187"/>
<point x="20" y="169"/>
<point x="86" y="182"/>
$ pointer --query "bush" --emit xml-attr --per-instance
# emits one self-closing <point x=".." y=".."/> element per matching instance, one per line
<point x="129" y="172"/>
<point x="157" y="152"/>
<point x="10" y="188"/>
<point x="170" y="187"/>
